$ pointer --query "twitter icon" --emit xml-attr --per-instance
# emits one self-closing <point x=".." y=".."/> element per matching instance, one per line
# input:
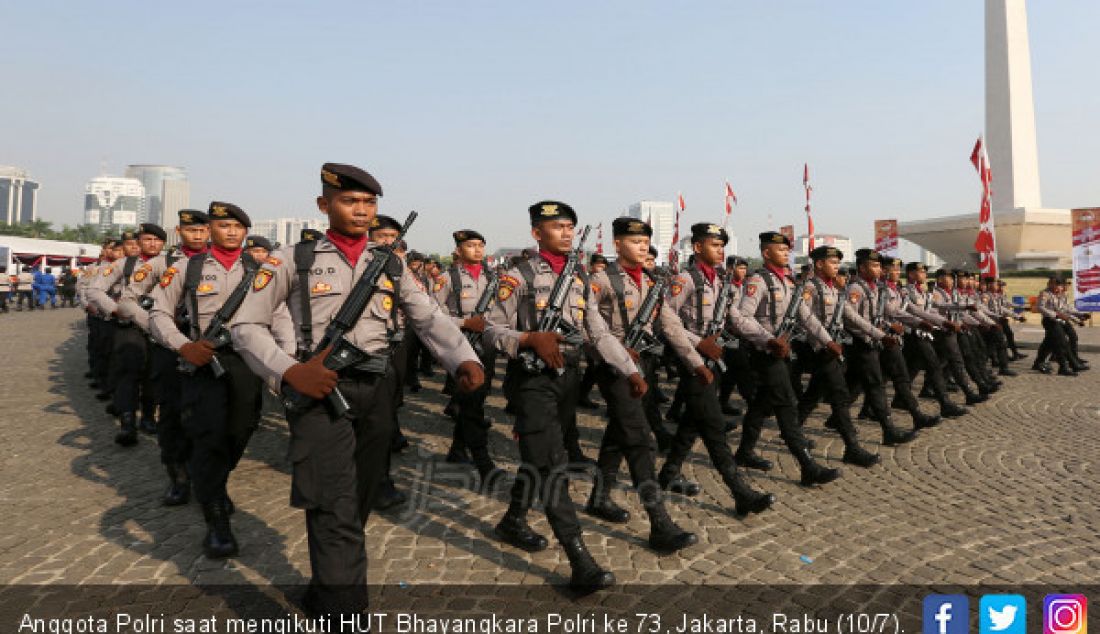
<point x="1002" y="614"/>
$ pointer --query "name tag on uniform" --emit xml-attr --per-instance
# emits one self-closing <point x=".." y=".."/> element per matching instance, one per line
<point x="466" y="295"/>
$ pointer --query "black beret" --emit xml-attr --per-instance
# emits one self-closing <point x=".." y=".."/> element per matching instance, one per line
<point x="823" y="252"/>
<point x="129" y="234"/>
<point x="596" y="258"/>
<point x="988" y="278"/>
<point x="867" y="255"/>
<point x="257" y="241"/>
<point x="960" y="273"/>
<point x="340" y="177"/>
<point x="892" y="261"/>
<point x="466" y="234"/>
<point x="110" y="243"/>
<point x="942" y="273"/>
<point x="550" y="210"/>
<point x="624" y="226"/>
<point x="152" y="229"/>
<point x="415" y="256"/>
<point x="228" y="211"/>
<point x="773" y="237"/>
<point x="192" y="217"/>
<point x="384" y="222"/>
<point x="915" y="266"/>
<point x="702" y="230"/>
<point x="733" y="261"/>
<point x="310" y="235"/>
<point x="653" y="250"/>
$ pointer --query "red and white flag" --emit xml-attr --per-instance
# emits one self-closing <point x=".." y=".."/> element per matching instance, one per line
<point x="731" y="199"/>
<point x="986" y="242"/>
<point x="599" y="238"/>
<point x="809" y="217"/>
<point x="672" y="255"/>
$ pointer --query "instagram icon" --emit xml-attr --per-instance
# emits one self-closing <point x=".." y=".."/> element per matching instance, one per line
<point x="1065" y="614"/>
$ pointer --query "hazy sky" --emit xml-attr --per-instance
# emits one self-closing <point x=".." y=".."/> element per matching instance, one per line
<point x="470" y="111"/>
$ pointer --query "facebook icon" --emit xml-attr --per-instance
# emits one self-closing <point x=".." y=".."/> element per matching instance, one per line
<point x="946" y="614"/>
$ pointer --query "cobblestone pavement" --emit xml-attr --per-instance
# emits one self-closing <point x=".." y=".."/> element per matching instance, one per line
<point x="1008" y="494"/>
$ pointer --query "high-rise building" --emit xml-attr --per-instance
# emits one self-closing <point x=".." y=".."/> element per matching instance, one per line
<point x="18" y="196"/>
<point x="662" y="217"/>
<point x="801" y="246"/>
<point x="113" y="203"/>
<point x="287" y="230"/>
<point x="166" y="192"/>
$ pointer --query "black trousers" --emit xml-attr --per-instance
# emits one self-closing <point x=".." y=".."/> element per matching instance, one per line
<point x="219" y="416"/>
<point x="774" y="395"/>
<point x="1056" y="342"/>
<point x="1010" y="336"/>
<point x="738" y="374"/>
<point x="545" y="404"/>
<point x="175" y="446"/>
<point x="828" y="383"/>
<point x="130" y="371"/>
<point x="471" y="425"/>
<point x="338" y="465"/>
<point x="101" y="350"/>
<point x="896" y="369"/>
<point x="997" y="346"/>
<point x="949" y="353"/>
<point x="649" y="366"/>
<point x="920" y="354"/>
<point x="864" y="374"/>
<point x="627" y="436"/>
<point x="975" y="357"/>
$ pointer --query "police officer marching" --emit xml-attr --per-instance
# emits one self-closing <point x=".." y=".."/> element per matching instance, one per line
<point x="920" y="349"/>
<point x="340" y="403"/>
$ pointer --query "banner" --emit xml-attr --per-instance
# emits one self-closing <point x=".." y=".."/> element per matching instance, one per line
<point x="886" y="237"/>
<point x="788" y="230"/>
<point x="1086" y="259"/>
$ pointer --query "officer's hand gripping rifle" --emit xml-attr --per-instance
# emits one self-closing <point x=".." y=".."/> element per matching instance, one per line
<point x="880" y="311"/>
<point x="344" y="354"/>
<point x="718" y="321"/>
<point x="483" y="304"/>
<point x="551" y="320"/>
<point x="637" y="337"/>
<point x="216" y="332"/>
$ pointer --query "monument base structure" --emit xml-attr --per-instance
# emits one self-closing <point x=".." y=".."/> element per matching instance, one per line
<point x="1026" y="238"/>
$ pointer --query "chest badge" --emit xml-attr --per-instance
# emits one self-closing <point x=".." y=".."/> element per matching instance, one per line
<point x="629" y="303"/>
<point x="166" y="279"/>
<point x="140" y="275"/>
<point x="540" y="304"/>
<point x="387" y="303"/>
<point x="204" y="288"/>
<point x="320" y="287"/>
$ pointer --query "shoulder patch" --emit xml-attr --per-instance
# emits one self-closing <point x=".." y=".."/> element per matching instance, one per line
<point x="650" y="283"/>
<point x="166" y="279"/>
<point x="750" y="290"/>
<point x="853" y="296"/>
<point x="262" y="279"/>
<point x="273" y="261"/>
<point x="508" y="280"/>
<point x="505" y="291"/>
<point x="439" y="284"/>
<point x="676" y="288"/>
<point x="807" y="295"/>
<point x="595" y="288"/>
<point x="107" y="271"/>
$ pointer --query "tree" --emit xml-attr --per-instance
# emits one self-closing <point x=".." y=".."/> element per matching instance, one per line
<point x="40" y="229"/>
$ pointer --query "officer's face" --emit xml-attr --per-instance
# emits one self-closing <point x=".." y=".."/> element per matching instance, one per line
<point x="349" y="213"/>
<point x="650" y="262"/>
<point x="632" y="250"/>
<point x="918" y="277"/>
<point x="227" y="234"/>
<point x="384" y="236"/>
<point x="871" y="270"/>
<point x="193" y="237"/>
<point x="826" y="269"/>
<point x="471" y="251"/>
<point x="711" y="251"/>
<point x="776" y="254"/>
<point x="130" y="248"/>
<point x="740" y="272"/>
<point x="258" y="253"/>
<point x="946" y="282"/>
<point x="556" y="236"/>
<point x="415" y="266"/>
<point x="893" y="272"/>
<point x="150" y="244"/>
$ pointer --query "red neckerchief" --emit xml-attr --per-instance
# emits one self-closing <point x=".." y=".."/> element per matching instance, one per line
<point x="225" y="257"/>
<point x="892" y="285"/>
<point x="473" y="269"/>
<point x="870" y="281"/>
<point x="145" y="258"/>
<point x="781" y="273"/>
<point x="831" y="282"/>
<point x="635" y="274"/>
<point x="737" y="283"/>
<point x="707" y="270"/>
<point x="556" y="262"/>
<point x="188" y="253"/>
<point x="351" y="247"/>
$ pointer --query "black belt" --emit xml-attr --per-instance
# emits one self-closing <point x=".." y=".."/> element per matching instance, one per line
<point x="372" y="366"/>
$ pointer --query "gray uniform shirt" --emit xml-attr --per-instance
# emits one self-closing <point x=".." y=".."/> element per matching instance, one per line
<point x="104" y="291"/>
<point x="768" y="310"/>
<point x="330" y="280"/>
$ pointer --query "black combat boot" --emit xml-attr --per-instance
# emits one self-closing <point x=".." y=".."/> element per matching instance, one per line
<point x="179" y="487"/>
<point x="922" y="420"/>
<point x="513" y="529"/>
<point x="457" y="455"/>
<point x="399" y="442"/>
<point x="812" y="472"/>
<point x="951" y="410"/>
<point x="927" y="392"/>
<point x="672" y="480"/>
<point x="219" y="541"/>
<point x="148" y="425"/>
<point x="388" y="496"/>
<point x="664" y="535"/>
<point x="753" y="460"/>
<point x="1065" y="370"/>
<point x="745" y="498"/>
<point x="892" y="436"/>
<point x="860" y="457"/>
<point x="587" y="575"/>
<point x="600" y="504"/>
<point x="127" y="436"/>
<point x="973" y="398"/>
<point x="577" y="460"/>
<point x="730" y="410"/>
<point x="1007" y="371"/>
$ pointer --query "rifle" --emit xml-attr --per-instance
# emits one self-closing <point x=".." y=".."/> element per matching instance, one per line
<point x="836" y="325"/>
<point x="216" y="332"/>
<point x="344" y="354"/>
<point x="718" y="321"/>
<point x="880" y="309"/>
<point x="637" y="337"/>
<point x="551" y="320"/>
<point x="790" y="323"/>
<point x="483" y="304"/>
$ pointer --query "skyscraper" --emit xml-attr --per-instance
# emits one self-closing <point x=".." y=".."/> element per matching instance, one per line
<point x="113" y="203"/>
<point x="18" y="196"/>
<point x="166" y="192"/>
<point x="662" y="216"/>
